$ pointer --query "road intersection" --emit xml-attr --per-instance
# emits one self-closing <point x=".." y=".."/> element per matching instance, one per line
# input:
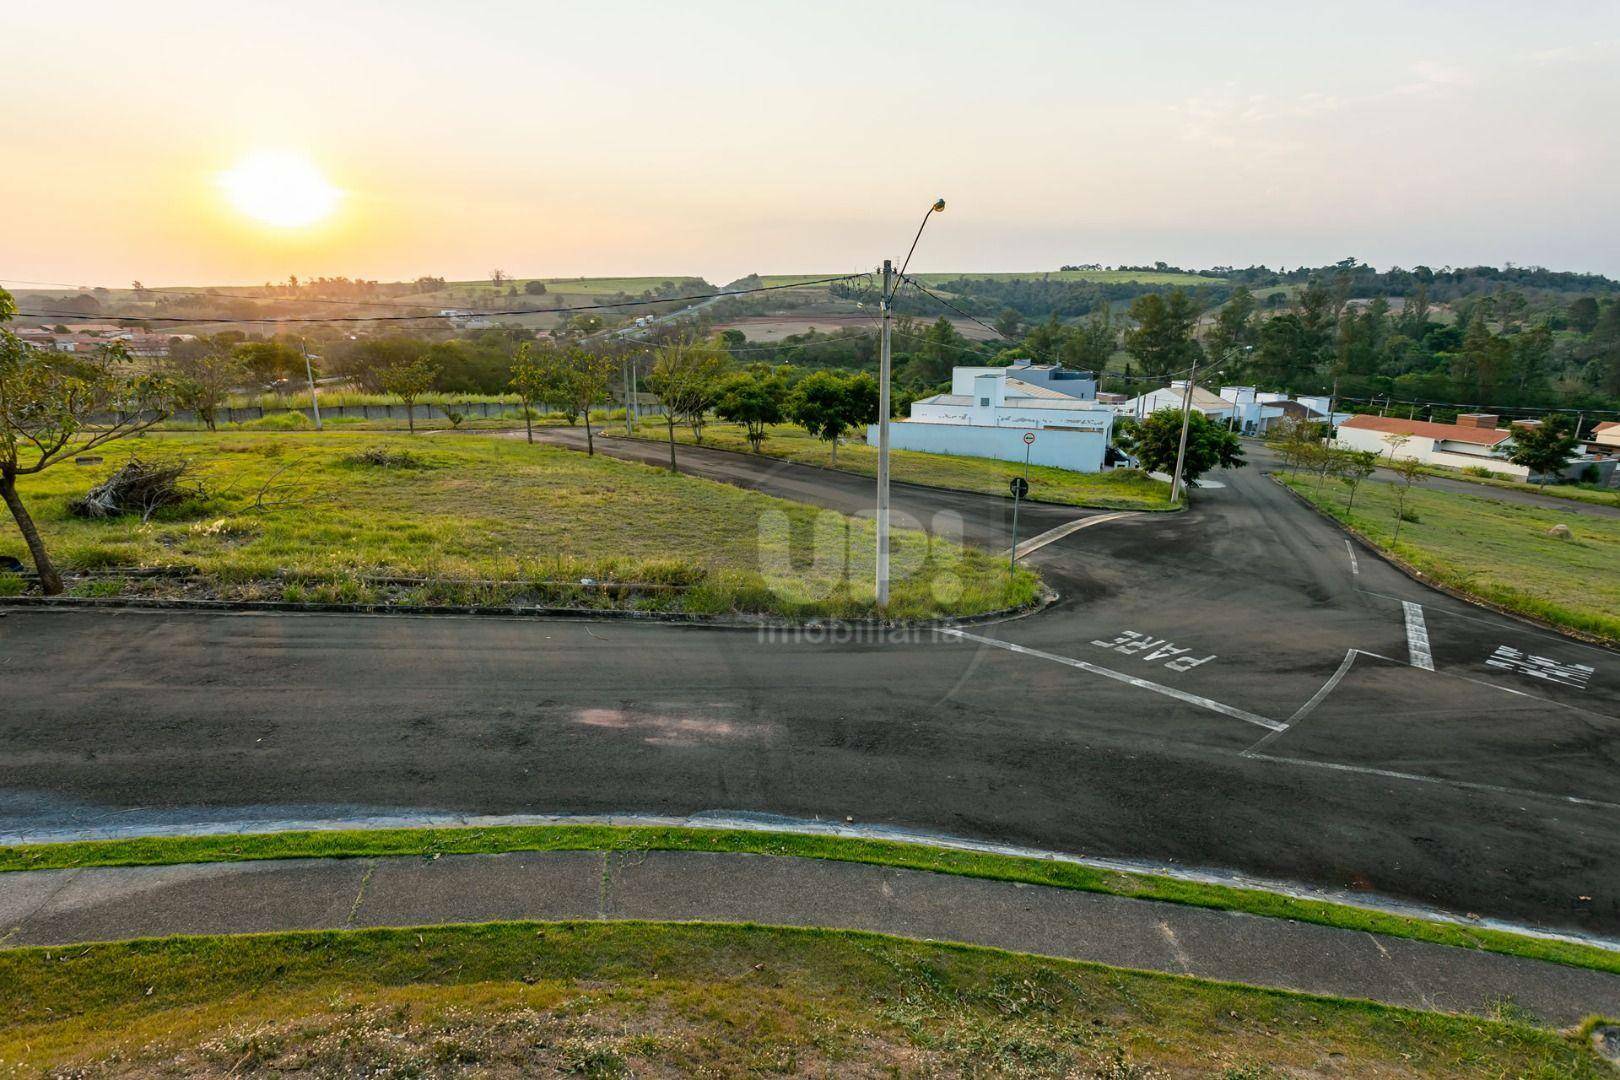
<point x="1231" y="688"/>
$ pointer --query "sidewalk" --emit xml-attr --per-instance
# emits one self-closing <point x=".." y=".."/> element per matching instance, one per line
<point x="57" y="907"/>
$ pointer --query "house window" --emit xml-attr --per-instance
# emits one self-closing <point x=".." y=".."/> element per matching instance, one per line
<point x="984" y="401"/>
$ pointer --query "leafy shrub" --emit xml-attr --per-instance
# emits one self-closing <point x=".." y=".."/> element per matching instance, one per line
<point x="1409" y="515"/>
<point x="12" y="585"/>
<point x="279" y="421"/>
<point x="381" y="457"/>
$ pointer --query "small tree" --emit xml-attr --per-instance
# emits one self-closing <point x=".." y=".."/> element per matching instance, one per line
<point x="203" y="383"/>
<point x="755" y="400"/>
<point x="1410" y="471"/>
<point x="1155" y="441"/>
<point x="1356" y="466"/>
<point x="686" y="379"/>
<point x="1544" y="448"/>
<point x="52" y="407"/>
<point x="827" y="404"/>
<point x="535" y="379"/>
<point x="583" y="380"/>
<point x="409" y="381"/>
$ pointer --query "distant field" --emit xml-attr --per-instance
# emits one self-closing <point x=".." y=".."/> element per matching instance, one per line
<point x="1146" y="277"/>
<point x="776" y="327"/>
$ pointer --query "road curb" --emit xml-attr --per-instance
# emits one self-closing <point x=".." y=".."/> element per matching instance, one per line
<point x="1439" y="586"/>
<point x="854" y="627"/>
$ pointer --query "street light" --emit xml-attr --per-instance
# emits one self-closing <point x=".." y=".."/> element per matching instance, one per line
<point x="889" y="286"/>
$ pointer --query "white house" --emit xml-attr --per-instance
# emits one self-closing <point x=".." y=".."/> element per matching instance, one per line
<point x="1248" y="410"/>
<point x="989" y="410"/>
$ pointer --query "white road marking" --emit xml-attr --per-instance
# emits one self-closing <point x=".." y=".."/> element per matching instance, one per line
<point x="1129" y="680"/>
<point x="1467" y="785"/>
<point x="1355" y="568"/>
<point x="1315" y="700"/>
<point x="1496" y="623"/>
<point x="1035" y="543"/>
<point x="1541" y="667"/>
<point x="1417" y="636"/>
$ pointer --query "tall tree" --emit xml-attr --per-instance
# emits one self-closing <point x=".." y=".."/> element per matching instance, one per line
<point x="585" y="379"/>
<point x="827" y="404"/>
<point x="536" y="377"/>
<point x="202" y="383"/>
<point x="409" y="381"/>
<point x="1162" y="341"/>
<point x="1088" y="346"/>
<point x="686" y="379"/>
<point x="1234" y="333"/>
<point x="1155" y="441"/>
<point x="53" y="407"/>
<point x="1544" y="448"/>
<point x="754" y="399"/>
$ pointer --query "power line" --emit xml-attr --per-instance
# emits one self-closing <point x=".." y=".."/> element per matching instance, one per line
<point x="941" y="300"/>
<point x="1382" y="400"/>
<point x="417" y="318"/>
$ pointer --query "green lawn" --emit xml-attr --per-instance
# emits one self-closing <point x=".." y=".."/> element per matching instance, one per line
<point x="433" y="842"/>
<point x="1495" y="550"/>
<point x="491" y="521"/>
<point x="1121" y="489"/>
<point x="1586" y="493"/>
<point x="622" y="999"/>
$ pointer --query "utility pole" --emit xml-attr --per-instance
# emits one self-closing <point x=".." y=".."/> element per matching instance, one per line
<point x="624" y="378"/>
<point x="1186" y="419"/>
<point x="883" y="442"/>
<point x="889" y="285"/>
<point x="309" y="373"/>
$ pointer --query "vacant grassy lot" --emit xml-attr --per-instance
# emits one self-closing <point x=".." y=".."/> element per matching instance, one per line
<point x="1122" y="489"/>
<point x="623" y="999"/>
<point x="323" y="517"/>
<point x="1495" y="550"/>
<point x="1587" y="493"/>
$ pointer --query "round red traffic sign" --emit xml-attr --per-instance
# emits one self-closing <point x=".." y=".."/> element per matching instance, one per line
<point x="1029" y="437"/>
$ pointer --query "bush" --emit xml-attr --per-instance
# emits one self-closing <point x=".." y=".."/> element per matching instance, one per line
<point x="381" y="457"/>
<point x="12" y="585"/>
<point x="279" y="421"/>
<point x="1409" y="515"/>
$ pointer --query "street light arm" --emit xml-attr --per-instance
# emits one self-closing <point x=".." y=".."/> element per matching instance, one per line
<point x="939" y="205"/>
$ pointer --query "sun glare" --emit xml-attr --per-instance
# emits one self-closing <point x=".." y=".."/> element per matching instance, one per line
<point x="281" y="189"/>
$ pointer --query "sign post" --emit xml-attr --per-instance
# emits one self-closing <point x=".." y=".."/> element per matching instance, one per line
<point x="1020" y="490"/>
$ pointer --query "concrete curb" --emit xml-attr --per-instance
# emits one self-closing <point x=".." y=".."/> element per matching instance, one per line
<point x="717" y="622"/>
<point x="1439" y="586"/>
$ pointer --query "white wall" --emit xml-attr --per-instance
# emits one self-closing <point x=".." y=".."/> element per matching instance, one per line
<point x="1081" y="451"/>
<point x="1378" y="441"/>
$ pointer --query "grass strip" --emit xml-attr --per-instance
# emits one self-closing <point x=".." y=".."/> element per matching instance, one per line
<point x="1117" y="489"/>
<point x="426" y="842"/>
<point x="632" y="998"/>
<point x="1504" y="554"/>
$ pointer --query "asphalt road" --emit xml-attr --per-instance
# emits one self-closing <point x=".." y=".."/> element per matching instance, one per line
<point x="1235" y="688"/>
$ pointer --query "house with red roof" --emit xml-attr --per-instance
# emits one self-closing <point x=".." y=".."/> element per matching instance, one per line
<point x="1473" y="441"/>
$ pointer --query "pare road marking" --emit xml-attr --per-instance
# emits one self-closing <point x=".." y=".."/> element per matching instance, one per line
<point x="1508" y="658"/>
<point x="1129" y="680"/>
<point x="1148" y="648"/>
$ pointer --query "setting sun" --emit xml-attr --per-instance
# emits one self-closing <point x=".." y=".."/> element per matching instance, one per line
<point x="278" y="188"/>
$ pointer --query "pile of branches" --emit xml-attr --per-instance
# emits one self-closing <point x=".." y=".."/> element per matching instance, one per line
<point x="140" y="487"/>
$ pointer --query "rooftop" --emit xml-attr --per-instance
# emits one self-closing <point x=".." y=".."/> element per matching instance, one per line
<point x="1428" y="429"/>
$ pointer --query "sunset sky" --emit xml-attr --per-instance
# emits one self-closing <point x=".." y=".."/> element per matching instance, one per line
<point x="720" y="138"/>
